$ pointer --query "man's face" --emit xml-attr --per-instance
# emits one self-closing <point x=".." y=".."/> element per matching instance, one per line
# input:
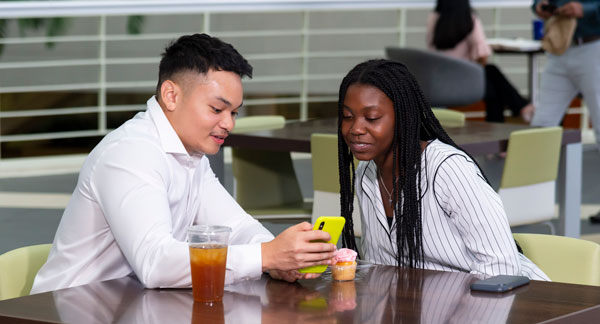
<point x="202" y="108"/>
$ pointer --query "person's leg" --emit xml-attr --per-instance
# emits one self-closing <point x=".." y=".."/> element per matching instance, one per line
<point x="494" y="109"/>
<point x="557" y="91"/>
<point x="505" y="91"/>
<point x="586" y="74"/>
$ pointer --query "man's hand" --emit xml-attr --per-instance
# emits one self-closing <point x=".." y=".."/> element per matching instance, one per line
<point x="542" y="13"/>
<point x="292" y="249"/>
<point x="292" y="275"/>
<point x="571" y="9"/>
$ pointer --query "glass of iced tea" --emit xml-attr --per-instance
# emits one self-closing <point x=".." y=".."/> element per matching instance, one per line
<point x="208" y="256"/>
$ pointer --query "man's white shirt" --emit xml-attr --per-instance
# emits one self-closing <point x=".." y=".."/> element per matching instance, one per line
<point x="138" y="192"/>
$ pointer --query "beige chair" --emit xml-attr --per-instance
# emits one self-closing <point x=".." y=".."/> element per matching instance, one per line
<point x="563" y="259"/>
<point x="528" y="181"/>
<point x="326" y="180"/>
<point x="449" y="118"/>
<point x="18" y="269"/>
<point x="265" y="182"/>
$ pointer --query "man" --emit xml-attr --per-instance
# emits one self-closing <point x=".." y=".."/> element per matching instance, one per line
<point x="146" y="182"/>
<point x="577" y="70"/>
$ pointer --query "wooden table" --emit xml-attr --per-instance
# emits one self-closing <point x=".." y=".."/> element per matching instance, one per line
<point x="380" y="294"/>
<point x="477" y="138"/>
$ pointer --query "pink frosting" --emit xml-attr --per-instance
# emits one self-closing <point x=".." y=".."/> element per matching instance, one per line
<point x="345" y="255"/>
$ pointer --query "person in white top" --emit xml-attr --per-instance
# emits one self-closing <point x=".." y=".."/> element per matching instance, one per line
<point x="424" y="202"/>
<point x="145" y="183"/>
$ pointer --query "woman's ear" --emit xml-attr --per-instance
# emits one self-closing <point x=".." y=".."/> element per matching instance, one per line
<point x="169" y="94"/>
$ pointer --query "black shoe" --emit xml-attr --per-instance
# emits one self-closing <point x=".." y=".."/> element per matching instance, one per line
<point x="595" y="219"/>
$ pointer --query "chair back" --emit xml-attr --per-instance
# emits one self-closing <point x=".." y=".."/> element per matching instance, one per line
<point x="19" y="267"/>
<point x="326" y="179"/>
<point x="445" y="81"/>
<point x="449" y="118"/>
<point x="265" y="182"/>
<point x="257" y="123"/>
<point x="528" y="181"/>
<point x="563" y="259"/>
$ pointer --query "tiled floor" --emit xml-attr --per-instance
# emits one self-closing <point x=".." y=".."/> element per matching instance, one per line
<point x="31" y="207"/>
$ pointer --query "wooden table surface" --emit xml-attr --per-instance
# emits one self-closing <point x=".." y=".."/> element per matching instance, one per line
<point x="380" y="294"/>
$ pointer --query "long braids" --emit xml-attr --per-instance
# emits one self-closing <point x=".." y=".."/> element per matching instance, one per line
<point x="414" y="122"/>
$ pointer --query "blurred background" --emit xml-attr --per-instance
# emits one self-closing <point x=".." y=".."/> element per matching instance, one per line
<point x="71" y="71"/>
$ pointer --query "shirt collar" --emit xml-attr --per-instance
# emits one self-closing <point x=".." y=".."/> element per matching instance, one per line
<point x="168" y="137"/>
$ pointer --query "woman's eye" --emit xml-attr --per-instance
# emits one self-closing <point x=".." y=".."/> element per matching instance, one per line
<point x="372" y="118"/>
<point x="347" y="116"/>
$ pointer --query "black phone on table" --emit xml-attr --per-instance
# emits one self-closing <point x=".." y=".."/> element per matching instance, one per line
<point x="499" y="283"/>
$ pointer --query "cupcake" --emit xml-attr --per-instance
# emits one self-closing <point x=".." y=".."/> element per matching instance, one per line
<point x="345" y="266"/>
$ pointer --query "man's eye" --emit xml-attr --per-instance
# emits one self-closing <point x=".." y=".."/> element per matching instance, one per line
<point x="234" y="114"/>
<point x="217" y="110"/>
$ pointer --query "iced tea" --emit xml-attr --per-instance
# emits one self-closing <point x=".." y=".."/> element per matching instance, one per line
<point x="208" y="271"/>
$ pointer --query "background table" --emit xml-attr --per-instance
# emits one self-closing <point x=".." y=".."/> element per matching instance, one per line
<point x="476" y="138"/>
<point x="380" y="294"/>
<point x="530" y="48"/>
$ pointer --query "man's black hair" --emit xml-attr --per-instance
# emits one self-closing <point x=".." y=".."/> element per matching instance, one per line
<point x="200" y="53"/>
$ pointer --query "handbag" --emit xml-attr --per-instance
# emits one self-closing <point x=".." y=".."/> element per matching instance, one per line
<point x="558" y="34"/>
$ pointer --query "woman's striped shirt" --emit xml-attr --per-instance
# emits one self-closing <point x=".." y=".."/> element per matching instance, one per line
<point x="464" y="224"/>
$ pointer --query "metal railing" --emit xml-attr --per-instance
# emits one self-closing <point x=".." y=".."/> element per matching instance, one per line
<point x="296" y="87"/>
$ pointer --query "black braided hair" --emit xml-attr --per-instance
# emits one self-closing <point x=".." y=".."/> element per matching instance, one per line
<point x="414" y="122"/>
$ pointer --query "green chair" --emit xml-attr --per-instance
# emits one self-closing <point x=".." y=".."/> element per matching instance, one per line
<point x="527" y="188"/>
<point x="18" y="269"/>
<point x="449" y="118"/>
<point x="326" y="180"/>
<point x="265" y="182"/>
<point x="563" y="259"/>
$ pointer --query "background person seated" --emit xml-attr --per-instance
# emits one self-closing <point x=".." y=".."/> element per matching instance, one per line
<point x="454" y="29"/>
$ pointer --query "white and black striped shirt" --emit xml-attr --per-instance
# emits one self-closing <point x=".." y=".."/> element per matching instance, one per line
<point x="464" y="224"/>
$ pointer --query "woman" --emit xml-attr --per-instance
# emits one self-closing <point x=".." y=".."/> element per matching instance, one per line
<point x="454" y="29"/>
<point x="424" y="202"/>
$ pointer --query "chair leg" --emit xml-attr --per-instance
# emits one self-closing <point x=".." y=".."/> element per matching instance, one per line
<point x="551" y="226"/>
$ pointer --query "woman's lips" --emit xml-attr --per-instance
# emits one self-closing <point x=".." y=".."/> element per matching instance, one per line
<point x="359" y="147"/>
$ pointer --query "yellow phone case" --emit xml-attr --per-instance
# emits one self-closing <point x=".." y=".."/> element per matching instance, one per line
<point x="332" y="225"/>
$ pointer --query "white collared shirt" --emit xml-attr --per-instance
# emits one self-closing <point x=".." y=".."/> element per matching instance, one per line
<point x="464" y="224"/>
<point x="138" y="192"/>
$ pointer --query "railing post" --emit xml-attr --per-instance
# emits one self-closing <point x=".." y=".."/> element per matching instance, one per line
<point x="305" y="50"/>
<point x="102" y="76"/>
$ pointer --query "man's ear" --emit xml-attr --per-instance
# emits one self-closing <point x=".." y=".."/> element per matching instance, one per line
<point x="170" y="92"/>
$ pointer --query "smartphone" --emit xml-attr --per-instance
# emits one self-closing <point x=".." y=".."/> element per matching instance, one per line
<point x="332" y="225"/>
<point x="549" y="7"/>
<point x="499" y="283"/>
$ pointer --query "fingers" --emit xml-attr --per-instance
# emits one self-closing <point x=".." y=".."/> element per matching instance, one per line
<point x="311" y="276"/>
<point x="304" y="226"/>
<point x="317" y="236"/>
<point x="317" y="247"/>
<point x="571" y="9"/>
<point x="289" y="276"/>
